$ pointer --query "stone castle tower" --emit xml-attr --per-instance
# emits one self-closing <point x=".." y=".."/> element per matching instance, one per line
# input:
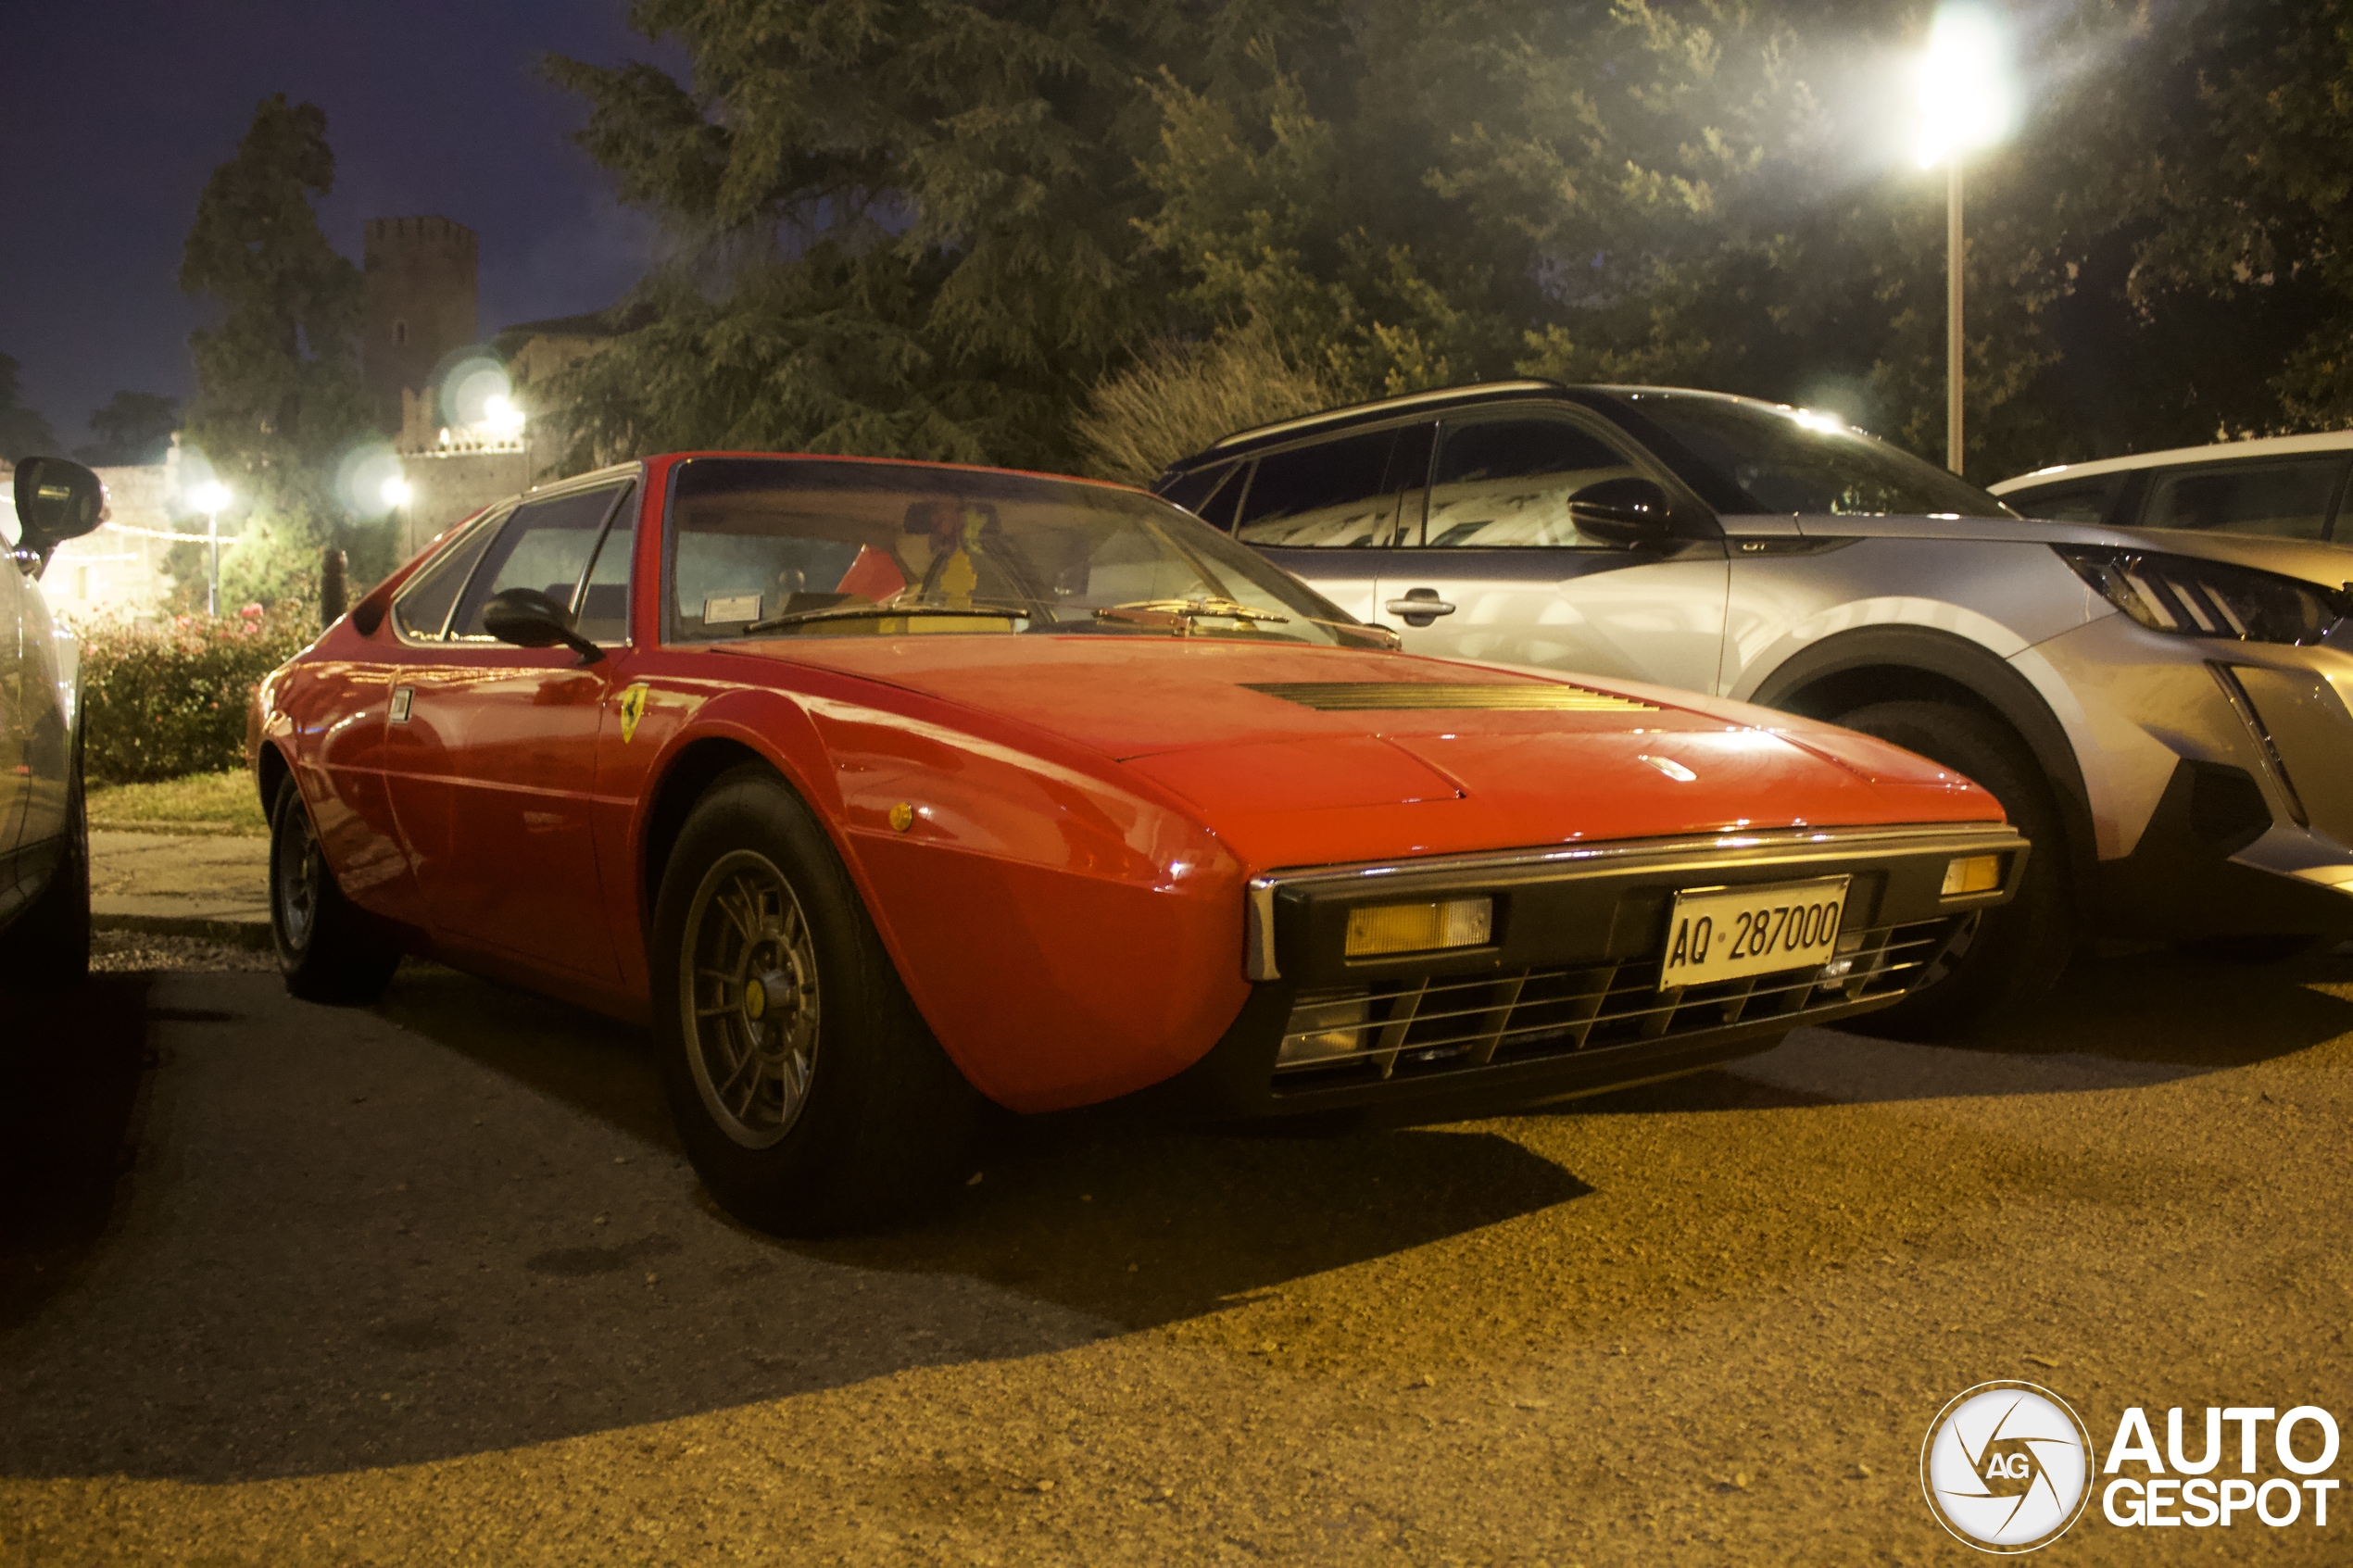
<point x="418" y="306"/>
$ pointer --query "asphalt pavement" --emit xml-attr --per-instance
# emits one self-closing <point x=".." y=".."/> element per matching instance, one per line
<point x="432" y="1283"/>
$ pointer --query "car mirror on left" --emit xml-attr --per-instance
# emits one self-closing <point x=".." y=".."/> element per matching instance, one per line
<point x="57" y="500"/>
<point x="529" y="618"/>
<point x="1627" y="512"/>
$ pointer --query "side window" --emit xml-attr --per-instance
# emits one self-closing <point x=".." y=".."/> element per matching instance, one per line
<point x="2285" y="499"/>
<point x="1334" y="494"/>
<point x="603" y="614"/>
<point x="545" y="545"/>
<point x="1508" y="482"/>
<point x="2081" y="501"/>
<point x="422" y="609"/>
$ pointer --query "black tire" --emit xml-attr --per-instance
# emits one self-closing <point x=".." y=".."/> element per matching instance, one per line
<point x="850" y="1113"/>
<point x="2007" y="957"/>
<point x="46" y="947"/>
<point x="328" y="949"/>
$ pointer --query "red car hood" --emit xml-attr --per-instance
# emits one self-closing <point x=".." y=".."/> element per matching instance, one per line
<point x="1286" y="778"/>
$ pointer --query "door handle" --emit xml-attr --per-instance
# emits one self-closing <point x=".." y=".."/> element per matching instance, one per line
<point x="1420" y="607"/>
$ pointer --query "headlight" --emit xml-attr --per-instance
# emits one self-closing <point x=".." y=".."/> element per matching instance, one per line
<point x="2203" y="598"/>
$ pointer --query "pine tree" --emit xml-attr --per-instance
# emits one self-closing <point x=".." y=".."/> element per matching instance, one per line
<point x="278" y="391"/>
<point x="134" y="427"/>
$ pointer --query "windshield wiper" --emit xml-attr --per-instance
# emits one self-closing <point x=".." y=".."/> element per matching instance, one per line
<point x="885" y="610"/>
<point x="1179" y="614"/>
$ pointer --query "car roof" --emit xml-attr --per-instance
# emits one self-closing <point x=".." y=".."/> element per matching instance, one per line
<point x="2220" y="451"/>
<point x="1469" y="394"/>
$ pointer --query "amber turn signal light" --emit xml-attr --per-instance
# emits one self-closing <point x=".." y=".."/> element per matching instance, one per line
<point x="1419" y="928"/>
<point x="1972" y="873"/>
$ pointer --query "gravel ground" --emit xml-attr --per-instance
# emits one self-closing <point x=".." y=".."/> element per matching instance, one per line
<point x="431" y="1284"/>
<point x="142" y="952"/>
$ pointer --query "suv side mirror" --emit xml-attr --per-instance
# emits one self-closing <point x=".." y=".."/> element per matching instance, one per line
<point x="529" y="618"/>
<point x="1627" y="512"/>
<point x="57" y="500"/>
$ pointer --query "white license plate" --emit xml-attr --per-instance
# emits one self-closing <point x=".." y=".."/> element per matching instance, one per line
<point x="1731" y="933"/>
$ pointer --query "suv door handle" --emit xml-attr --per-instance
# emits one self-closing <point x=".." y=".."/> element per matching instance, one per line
<point x="1420" y="607"/>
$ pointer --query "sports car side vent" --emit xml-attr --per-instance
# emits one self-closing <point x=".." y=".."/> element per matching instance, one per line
<point x="1368" y="696"/>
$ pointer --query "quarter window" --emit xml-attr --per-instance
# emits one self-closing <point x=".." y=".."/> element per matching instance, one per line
<point x="2286" y="498"/>
<point x="1508" y="483"/>
<point x="422" y="609"/>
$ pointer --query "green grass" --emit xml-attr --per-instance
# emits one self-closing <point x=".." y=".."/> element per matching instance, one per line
<point x="198" y="802"/>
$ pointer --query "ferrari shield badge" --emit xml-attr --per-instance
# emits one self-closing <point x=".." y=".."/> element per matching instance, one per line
<point x="633" y="708"/>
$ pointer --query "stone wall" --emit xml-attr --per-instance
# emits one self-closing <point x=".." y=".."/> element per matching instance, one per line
<point x="448" y="486"/>
<point x="119" y="570"/>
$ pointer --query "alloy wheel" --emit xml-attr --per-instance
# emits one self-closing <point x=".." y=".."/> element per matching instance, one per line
<point x="748" y="996"/>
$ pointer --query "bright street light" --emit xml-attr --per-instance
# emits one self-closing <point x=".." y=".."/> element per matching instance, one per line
<point x="395" y="491"/>
<point x="499" y="411"/>
<point x="1966" y="99"/>
<point x="209" y="498"/>
<point x="1965" y="103"/>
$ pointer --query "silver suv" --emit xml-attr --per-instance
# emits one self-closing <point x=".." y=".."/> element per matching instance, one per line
<point x="2162" y="713"/>
<point x="44" y="837"/>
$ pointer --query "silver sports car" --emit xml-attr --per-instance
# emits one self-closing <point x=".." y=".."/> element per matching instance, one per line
<point x="2163" y="713"/>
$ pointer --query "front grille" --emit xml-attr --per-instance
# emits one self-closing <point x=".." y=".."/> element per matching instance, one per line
<point x="1521" y="696"/>
<point x="1408" y="1027"/>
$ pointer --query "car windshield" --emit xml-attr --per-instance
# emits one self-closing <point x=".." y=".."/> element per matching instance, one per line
<point x="811" y="547"/>
<point x="1796" y="461"/>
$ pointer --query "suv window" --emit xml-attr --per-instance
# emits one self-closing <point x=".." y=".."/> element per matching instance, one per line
<point x="2082" y="501"/>
<point x="1508" y="483"/>
<point x="422" y="609"/>
<point x="546" y="545"/>
<point x="2286" y="498"/>
<point x="1338" y="494"/>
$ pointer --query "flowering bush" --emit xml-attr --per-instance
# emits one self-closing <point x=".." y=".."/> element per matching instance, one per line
<point x="166" y="699"/>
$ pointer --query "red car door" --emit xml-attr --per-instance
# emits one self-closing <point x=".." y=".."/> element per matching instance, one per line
<point x="491" y="750"/>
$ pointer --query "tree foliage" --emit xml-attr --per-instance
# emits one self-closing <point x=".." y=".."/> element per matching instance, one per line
<point x="1056" y="233"/>
<point x="278" y="391"/>
<point x="134" y="427"/>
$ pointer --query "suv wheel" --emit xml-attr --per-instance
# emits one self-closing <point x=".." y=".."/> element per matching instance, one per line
<point x="2001" y="959"/>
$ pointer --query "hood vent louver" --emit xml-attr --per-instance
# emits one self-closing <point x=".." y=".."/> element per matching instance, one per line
<point x="1406" y="697"/>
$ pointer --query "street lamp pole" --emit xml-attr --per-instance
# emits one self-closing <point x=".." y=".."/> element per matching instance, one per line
<point x="212" y="548"/>
<point x="1953" y="343"/>
<point x="1965" y="101"/>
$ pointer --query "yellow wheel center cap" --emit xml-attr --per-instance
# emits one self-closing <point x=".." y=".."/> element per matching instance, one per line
<point x="755" y="999"/>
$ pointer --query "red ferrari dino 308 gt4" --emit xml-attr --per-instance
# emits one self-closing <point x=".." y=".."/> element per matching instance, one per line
<point x="884" y="789"/>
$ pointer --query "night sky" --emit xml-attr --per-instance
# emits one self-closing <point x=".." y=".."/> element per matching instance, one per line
<point x="113" y="114"/>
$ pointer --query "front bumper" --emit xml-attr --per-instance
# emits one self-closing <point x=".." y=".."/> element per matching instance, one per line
<point x="1564" y="998"/>
<point x="2221" y="776"/>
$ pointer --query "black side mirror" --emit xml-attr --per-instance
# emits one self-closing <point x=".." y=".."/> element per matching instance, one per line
<point x="57" y="500"/>
<point x="529" y="618"/>
<point x="1627" y="512"/>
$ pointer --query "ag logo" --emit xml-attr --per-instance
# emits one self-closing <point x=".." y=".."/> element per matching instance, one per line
<point x="633" y="708"/>
<point x="2006" y="1467"/>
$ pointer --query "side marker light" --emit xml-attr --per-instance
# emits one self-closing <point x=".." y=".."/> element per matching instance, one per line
<point x="1972" y="873"/>
<point x="1418" y="928"/>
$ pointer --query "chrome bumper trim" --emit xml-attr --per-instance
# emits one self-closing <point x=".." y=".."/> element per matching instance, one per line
<point x="1784" y="847"/>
